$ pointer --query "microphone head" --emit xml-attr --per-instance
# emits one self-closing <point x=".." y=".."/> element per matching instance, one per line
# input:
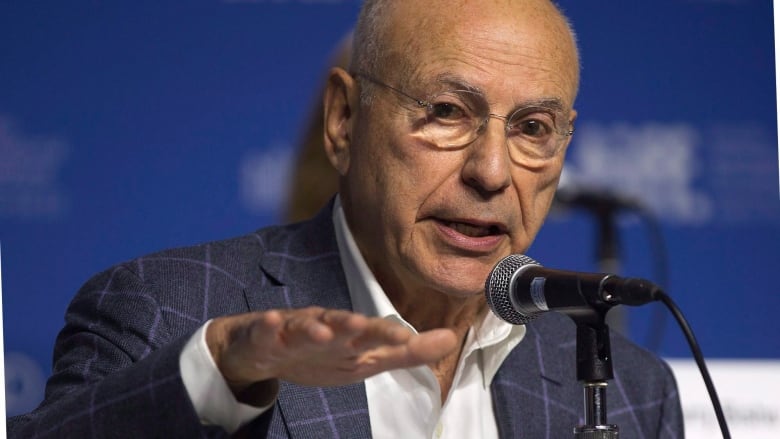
<point x="498" y="289"/>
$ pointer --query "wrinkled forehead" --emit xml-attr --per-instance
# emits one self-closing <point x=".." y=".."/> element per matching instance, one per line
<point x="500" y="44"/>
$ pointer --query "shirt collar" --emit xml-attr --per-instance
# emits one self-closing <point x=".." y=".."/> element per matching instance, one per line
<point x="492" y="337"/>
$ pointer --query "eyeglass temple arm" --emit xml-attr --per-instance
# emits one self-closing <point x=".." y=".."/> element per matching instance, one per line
<point x="370" y="78"/>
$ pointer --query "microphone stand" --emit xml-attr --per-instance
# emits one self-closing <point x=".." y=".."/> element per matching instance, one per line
<point x="594" y="368"/>
<point x="604" y="206"/>
<point x="608" y="255"/>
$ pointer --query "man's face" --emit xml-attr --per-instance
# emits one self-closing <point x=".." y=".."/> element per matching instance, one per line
<point x="432" y="219"/>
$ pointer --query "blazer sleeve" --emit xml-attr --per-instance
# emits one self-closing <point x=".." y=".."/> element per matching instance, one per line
<point x="116" y="368"/>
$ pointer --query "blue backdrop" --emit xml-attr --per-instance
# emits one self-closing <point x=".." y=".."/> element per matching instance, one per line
<point x="126" y="127"/>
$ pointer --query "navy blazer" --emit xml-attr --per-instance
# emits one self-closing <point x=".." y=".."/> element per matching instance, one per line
<point x="116" y="361"/>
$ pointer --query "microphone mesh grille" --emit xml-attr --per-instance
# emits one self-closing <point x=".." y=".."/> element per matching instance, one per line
<point x="497" y="289"/>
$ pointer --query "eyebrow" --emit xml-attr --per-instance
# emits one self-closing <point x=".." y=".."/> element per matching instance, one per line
<point x="459" y="83"/>
<point x="548" y="103"/>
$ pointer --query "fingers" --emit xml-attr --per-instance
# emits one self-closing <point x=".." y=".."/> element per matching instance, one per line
<point x="424" y="348"/>
<point x="381" y="332"/>
<point x="337" y="329"/>
<point x="316" y="346"/>
<point x="322" y="326"/>
<point x="432" y="346"/>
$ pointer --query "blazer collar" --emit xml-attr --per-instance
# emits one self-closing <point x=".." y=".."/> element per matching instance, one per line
<point x="300" y="266"/>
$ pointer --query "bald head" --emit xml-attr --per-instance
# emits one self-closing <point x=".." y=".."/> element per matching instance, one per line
<point x="390" y="32"/>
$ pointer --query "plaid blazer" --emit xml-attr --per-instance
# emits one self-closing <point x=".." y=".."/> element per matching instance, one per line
<point x="116" y="368"/>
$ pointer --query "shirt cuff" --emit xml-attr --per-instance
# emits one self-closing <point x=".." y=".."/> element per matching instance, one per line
<point x="214" y="403"/>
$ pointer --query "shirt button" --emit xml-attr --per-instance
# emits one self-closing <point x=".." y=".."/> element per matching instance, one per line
<point x="439" y="429"/>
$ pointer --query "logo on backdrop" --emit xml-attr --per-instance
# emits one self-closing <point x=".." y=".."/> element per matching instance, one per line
<point x="29" y="172"/>
<point x="685" y="175"/>
<point x="263" y="178"/>
<point x="24" y="383"/>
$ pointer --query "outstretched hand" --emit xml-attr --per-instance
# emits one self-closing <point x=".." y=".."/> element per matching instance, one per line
<point x="317" y="347"/>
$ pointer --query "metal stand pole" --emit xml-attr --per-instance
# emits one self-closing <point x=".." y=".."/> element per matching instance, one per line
<point x="596" y="426"/>
<point x="608" y="257"/>
<point x="595" y="391"/>
<point x="594" y="368"/>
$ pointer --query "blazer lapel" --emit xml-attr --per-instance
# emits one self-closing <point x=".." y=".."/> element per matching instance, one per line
<point x="301" y="267"/>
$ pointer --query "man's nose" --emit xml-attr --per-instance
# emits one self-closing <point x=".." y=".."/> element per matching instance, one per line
<point x="488" y="165"/>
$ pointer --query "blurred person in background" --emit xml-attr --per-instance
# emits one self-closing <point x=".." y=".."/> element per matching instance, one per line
<point x="314" y="181"/>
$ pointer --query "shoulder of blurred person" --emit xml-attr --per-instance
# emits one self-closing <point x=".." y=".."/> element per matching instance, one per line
<point x="313" y="180"/>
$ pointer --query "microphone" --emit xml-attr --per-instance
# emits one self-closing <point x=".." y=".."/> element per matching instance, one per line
<point x="518" y="289"/>
<point x="594" y="199"/>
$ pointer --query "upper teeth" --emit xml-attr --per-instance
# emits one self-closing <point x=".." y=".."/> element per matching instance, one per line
<point x="471" y="230"/>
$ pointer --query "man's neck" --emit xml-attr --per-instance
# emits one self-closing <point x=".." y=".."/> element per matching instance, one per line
<point x="426" y="310"/>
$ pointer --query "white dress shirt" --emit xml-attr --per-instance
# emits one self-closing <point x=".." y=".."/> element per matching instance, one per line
<point x="401" y="403"/>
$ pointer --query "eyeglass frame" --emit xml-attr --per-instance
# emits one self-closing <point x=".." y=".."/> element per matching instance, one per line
<point x="422" y="103"/>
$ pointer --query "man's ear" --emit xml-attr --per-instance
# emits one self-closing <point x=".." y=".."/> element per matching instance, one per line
<point x="339" y="104"/>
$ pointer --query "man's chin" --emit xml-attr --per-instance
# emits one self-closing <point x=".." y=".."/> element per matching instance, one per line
<point x="463" y="286"/>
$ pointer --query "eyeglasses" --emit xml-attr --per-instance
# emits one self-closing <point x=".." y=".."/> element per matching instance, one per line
<point x="455" y="118"/>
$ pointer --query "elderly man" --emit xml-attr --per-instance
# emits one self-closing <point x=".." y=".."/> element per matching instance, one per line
<point x="449" y="135"/>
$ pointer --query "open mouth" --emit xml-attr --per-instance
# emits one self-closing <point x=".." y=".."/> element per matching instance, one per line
<point x="473" y="230"/>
